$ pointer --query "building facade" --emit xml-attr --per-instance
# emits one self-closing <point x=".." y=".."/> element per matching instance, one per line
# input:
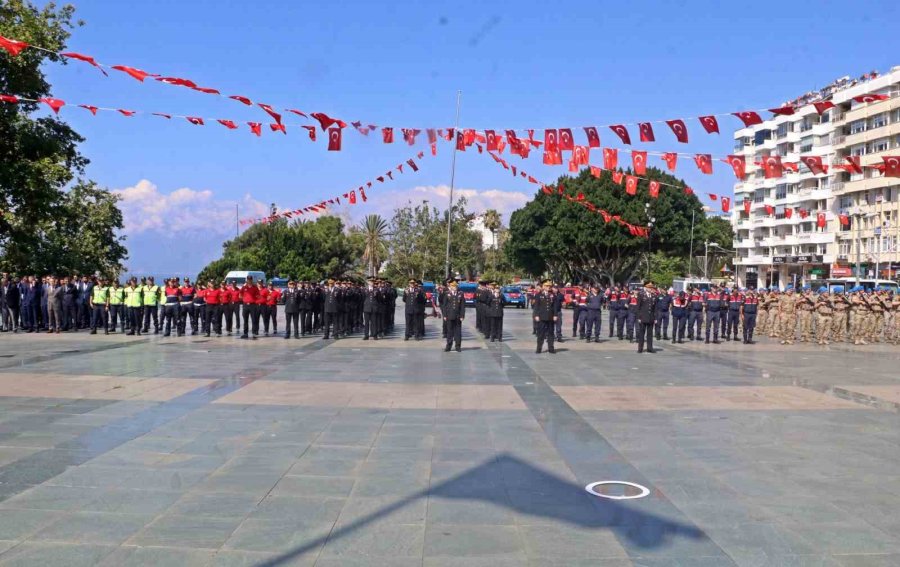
<point x="781" y="240"/>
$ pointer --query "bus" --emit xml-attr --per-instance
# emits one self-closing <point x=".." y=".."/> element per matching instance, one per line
<point x="846" y="284"/>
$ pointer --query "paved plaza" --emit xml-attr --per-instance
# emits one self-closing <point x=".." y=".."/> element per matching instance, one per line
<point x="193" y="451"/>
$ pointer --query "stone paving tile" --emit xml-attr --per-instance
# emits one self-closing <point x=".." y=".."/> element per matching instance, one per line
<point x="133" y="556"/>
<point x="92" y="528"/>
<point x="55" y="554"/>
<point x="194" y="532"/>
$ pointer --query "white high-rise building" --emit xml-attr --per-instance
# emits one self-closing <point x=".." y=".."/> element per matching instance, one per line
<point x="776" y="244"/>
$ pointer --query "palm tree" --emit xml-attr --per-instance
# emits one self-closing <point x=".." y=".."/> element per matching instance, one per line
<point x="375" y="233"/>
<point x="492" y="222"/>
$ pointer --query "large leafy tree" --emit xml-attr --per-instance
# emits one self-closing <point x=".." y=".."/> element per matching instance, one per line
<point x="308" y="250"/>
<point x="419" y="239"/>
<point x="44" y="228"/>
<point x="569" y="242"/>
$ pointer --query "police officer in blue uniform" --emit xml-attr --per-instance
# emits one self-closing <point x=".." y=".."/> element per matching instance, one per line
<point x="680" y="306"/>
<point x="612" y="302"/>
<point x="631" y="314"/>
<point x="695" y="315"/>
<point x="591" y="314"/>
<point x="735" y="302"/>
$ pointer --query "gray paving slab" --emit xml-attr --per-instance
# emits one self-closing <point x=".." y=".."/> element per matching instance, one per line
<point x="195" y="481"/>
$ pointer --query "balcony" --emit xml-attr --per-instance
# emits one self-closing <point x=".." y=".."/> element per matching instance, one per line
<point x="815" y="238"/>
<point x="863" y="111"/>
<point x="886" y="131"/>
<point x="878" y="182"/>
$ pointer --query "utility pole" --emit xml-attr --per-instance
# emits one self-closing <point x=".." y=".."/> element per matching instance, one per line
<point x="452" y="181"/>
<point x="691" y="253"/>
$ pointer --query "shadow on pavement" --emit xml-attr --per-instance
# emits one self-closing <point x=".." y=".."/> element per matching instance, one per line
<point x="512" y="483"/>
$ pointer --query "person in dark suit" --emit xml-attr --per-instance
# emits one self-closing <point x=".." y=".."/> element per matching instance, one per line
<point x="13" y="303"/>
<point x="69" y="306"/>
<point x="453" y="310"/>
<point x="331" y="298"/>
<point x="493" y="313"/>
<point x="646" y="316"/>
<point x="544" y="309"/>
<point x="414" y="300"/>
<point x="291" y="310"/>
<point x="85" y="288"/>
<point x="55" y="293"/>
<point x="30" y="292"/>
<point x="370" y="309"/>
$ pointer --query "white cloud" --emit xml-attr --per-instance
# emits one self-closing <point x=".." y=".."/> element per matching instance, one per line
<point x="478" y="201"/>
<point x="147" y="209"/>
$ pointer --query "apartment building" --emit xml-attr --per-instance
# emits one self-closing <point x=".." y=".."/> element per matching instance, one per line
<point x="792" y="234"/>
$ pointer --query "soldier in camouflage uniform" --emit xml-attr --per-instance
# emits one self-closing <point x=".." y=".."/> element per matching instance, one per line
<point x="806" y="304"/>
<point x="841" y="306"/>
<point x="774" y="314"/>
<point x="763" y="314"/>
<point x="824" y="318"/>
<point x="859" y="310"/>
<point x="787" y="314"/>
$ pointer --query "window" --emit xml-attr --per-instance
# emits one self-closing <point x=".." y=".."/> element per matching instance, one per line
<point x="844" y="248"/>
<point x="880" y="145"/>
<point x="759" y="195"/>
<point x="857" y="126"/>
<point x="823" y="249"/>
<point x="780" y="191"/>
<point x="846" y="201"/>
<point x="783" y="129"/>
<point x="879" y="121"/>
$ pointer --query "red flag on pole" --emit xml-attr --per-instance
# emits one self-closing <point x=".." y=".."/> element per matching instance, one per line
<point x="646" y="131"/>
<point x="726" y="204"/>
<point x="671" y="159"/>
<point x="334" y="139"/>
<point x="704" y="163"/>
<point x="679" y="129"/>
<point x="710" y="124"/>
<point x="639" y="161"/>
<point x="820" y="220"/>
<point x="610" y="158"/>
<point x="622" y="132"/>
<point x="631" y="183"/>
<point x="592" y="136"/>
<point x="654" y="189"/>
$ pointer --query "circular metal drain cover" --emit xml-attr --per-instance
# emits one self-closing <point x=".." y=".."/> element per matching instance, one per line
<point x="644" y="491"/>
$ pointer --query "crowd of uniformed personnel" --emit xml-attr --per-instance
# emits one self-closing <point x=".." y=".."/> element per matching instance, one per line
<point x="334" y="308"/>
<point x="856" y="316"/>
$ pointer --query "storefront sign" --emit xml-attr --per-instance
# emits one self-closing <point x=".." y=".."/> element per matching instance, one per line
<point x="778" y="259"/>
<point x="841" y="272"/>
<point x="806" y="259"/>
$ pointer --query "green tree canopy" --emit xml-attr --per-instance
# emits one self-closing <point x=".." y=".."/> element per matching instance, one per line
<point x="569" y="242"/>
<point x="43" y="228"/>
<point x="307" y="250"/>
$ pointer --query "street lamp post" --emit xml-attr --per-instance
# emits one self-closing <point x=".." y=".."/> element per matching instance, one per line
<point x="650" y="220"/>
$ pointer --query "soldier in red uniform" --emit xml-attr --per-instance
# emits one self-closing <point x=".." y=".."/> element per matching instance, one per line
<point x="249" y="295"/>
<point x="171" y="312"/>
<point x="271" y="309"/>
<point x="213" y="297"/>
<point x="262" y="299"/>
<point x="187" y="309"/>
<point x="233" y="308"/>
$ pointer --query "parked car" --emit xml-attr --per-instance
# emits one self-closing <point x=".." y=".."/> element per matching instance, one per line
<point x="513" y="295"/>
<point x="239" y="278"/>
<point x="469" y="289"/>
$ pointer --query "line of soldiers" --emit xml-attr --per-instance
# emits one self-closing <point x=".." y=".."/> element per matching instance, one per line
<point x="489" y="310"/>
<point x="858" y="315"/>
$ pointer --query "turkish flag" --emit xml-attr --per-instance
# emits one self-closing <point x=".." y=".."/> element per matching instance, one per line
<point x="814" y="163"/>
<point x="255" y="127"/>
<point x="631" y="183"/>
<point x="409" y="135"/>
<point x="547" y="190"/>
<point x="726" y="204"/>
<point x="688" y="191"/>
<point x="747" y="205"/>
<point x="420" y="155"/>
<point x="713" y="197"/>
<point x="772" y="167"/>
<point x="432" y="135"/>
<point x="610" y="158"/>
<point x="791" y="166"/>
<point x="303" y="114"/>
<point x="738" y="164"/>
<point x="460" y="141"/>
<point x="53" y="103"/>
<point x="352" y="197"/>
<point x="166" y="116"/>
<point x="270" y="111"/>
<point x="312" y="132"/>
<point x="622" y="132"/>
<point x="710" y="124"/>
<point x="177" y="81"/>
<point x="12" y="99"/>
<point x="400" y="168"/>
<point x="823" y="106"/>
<point x="573" y="167"/>
<point x="596" y="171"/>
<point x="362" y="193"/>
<point x="581" y="155"/>
<point x="639" y="162"/>
<point x="679" y="129"/>
<point x="646" y="131"/>
<point x="617" y="177"/>
<point x="845" y="220"/>
<point x="788" y="212"/>
<point x="128" y="113"/>
<point x="390" y="175"/>
<point x="770" y="210"/>
<point x="491" y="140"/>
<point x="871" y="98"/>
<point x="243" y="99"/>
<point x="334" y="139"/>
<point x="820" y="220"/>
<point x="803" y="213"/>
<point x="891" y="166"/>
<point x="326" y="121"/>
<point x="12" y="46"/>
<point x="550" y="140"/>
<point x="93" y="109"/>
<point x="278" y="128"/>
<point x="704" y="163"/>
<point x="136" y="73"/>
<point x="195" y="120"/>
<point x="387" y="135"/>
<point x="85" y="58"/>
<point x="783" y="110"/>
<point x="552" y="158"/>
<point x="592" y="136"/>
<point x="206" y="90"/>
<point x="854" y="166"/>
<point x="605" y="215"/>
<point x="511" y="137"/>
<point x="654" y="189"/>
<point x="380" y="179"/>
<point x="228" y="124"/>
<point x="749" y="118"/>
<point x="566" y="142"/>
<point x="671" y="159"/>
<point x="412" y="164"/>
<point x="501" y="145"/>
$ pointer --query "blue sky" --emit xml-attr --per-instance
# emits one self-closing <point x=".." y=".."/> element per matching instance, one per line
<point x="519" y="65"/>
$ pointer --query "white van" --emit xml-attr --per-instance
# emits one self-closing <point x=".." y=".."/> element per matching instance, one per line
<point x="239" y="278"/>
<point x="866" y="283"/>
<point x="683" y="284"/>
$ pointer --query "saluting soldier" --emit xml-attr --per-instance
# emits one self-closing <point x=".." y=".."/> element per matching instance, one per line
<point x="787" y="315"/>
<point x="735" y="302"/>
<point x="592" y="307"/>
<point x="695" y="315"/>
<point x="806" y="305"/>
<point x="453" y="310"/>
<point x="841" y="307"/>
<point x="680" y="306"/>
<point x="713" y="306"/>
<point x="773" y="325"/>
<point x="493" y="311"/>
<point x="545" y="315"/>
<point x="646" y="316"/>
<point x="291" y="310"/>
